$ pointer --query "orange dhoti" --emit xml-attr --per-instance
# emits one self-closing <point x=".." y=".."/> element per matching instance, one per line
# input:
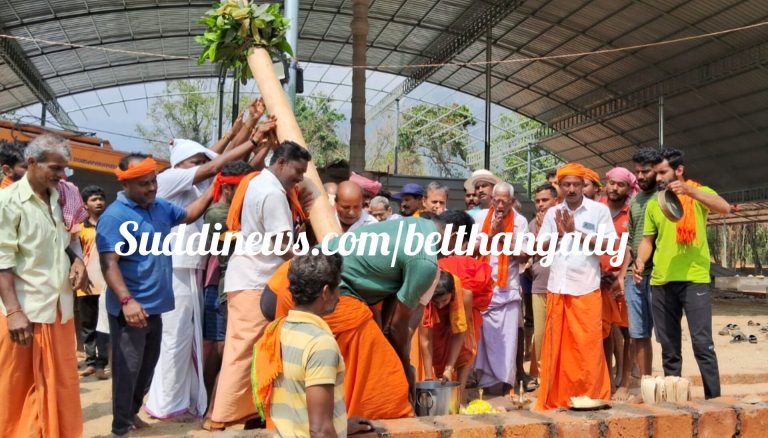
<point x="245" y="325"/>
<point x="442" y="335"/>
<point x="375" y="386"/>
<point x="39" y="386"/>
<point x="572" y="357"/>
<point x="610" y="311"/>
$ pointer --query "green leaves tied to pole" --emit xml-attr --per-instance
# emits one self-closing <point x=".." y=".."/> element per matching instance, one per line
<point x="236" y="26"/>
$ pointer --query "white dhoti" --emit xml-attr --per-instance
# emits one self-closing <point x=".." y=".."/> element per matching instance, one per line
<point x="102" y="323"/>
<point x="497" y="350"/>
<point x="177" y="385"/>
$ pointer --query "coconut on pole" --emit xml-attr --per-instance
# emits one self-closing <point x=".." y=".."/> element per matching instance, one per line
<point x="245" y="37"/>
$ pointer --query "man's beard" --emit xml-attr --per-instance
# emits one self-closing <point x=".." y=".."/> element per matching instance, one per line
<point x="647" y="186"/>
<point x="615" y="197"/>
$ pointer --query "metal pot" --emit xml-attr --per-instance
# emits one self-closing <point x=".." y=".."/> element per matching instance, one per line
<point x="670" y="205"/>
<point x="435" y="398"/>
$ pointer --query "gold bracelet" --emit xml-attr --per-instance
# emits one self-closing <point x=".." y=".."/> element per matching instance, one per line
<point x="8" y="315"/>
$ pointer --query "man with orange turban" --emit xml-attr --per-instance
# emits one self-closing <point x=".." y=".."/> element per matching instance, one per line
<point x="680" y="278"/>
<point x="138" y="284"/>
<point x="572" y="360"/>
<point x="592" y="184"/>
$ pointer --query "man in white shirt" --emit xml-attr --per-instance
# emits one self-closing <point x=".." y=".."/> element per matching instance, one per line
<point x="572" y="357"/>
<point x="495" y="362"/>
<point x="178" y="386"/>
<point x="349" y="207"/>
<point x="267" y="212"/>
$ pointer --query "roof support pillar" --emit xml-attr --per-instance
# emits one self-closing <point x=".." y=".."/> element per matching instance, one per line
<point x="291" y="10"/>
<point x="359" y="46"/>
<point x="488" y="53"/>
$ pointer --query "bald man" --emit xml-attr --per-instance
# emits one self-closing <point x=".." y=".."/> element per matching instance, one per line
<point x="349" y="207"/>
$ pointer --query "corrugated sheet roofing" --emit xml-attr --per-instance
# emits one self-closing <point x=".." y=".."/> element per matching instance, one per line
<point x="603" y="107"/>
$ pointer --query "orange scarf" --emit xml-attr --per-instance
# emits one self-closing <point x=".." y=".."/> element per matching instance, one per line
<point x="145" y="167"/>
<point x="266" y="367"/>
<point x="456" y="310"/>
<point x="236" y="208"/>
<point x="509" y="227"/>
<point x="220" y="180"/>
<point x="5" y="183"/>
<point x="686" y="226"/>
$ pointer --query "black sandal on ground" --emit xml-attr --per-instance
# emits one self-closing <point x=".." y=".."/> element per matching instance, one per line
<point x="752" y="339"/>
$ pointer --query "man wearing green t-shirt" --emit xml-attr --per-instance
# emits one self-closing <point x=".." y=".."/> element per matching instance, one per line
<point x="680" y="277"/>
<point x="638" y="295"/>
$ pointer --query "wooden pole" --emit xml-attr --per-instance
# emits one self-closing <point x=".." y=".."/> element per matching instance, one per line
<point x="321" y="216"/>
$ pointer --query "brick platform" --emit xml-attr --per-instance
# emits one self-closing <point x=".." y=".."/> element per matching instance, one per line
<point x="719" y="418"/>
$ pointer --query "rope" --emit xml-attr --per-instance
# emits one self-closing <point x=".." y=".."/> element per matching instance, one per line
<point x="405" y="66"/>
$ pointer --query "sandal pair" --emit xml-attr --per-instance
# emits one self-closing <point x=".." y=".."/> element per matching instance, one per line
<point x="725" y="331"/>
<point x="741" y="337"/>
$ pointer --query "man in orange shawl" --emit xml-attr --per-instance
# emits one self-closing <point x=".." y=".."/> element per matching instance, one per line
<point x="680" y="277"/>
<point x="263" y="205"/>
<point x="476" y="281"/>
<point x="298" y="370"/>
<point x="379" y="373"/>
<point x="572" y="360"/>
<point x="446" y="346"/>
<point x="497" y="351"/>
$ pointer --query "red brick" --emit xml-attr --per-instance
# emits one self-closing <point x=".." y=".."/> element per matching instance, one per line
<point x="465" y="426"/>
<point x="409" y="428"/>
<point x="570" y="425"/>
<point x="516" y="424"/>
<point x="716" y="420"/>
<point x="668" y="421"/>
<point x="626" y="425"/>
<point x="754" y="420"/>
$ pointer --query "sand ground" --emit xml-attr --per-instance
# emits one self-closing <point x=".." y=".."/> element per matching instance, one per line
<point x="737" y="363"/>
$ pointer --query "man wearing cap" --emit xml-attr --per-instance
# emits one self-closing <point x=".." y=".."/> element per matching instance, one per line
<point x="410" y="199"/>
<point x="495" y="363"/>
<point x="572" y="357"/>
<point x="178" y="385"/>
<point x="139" y="285"/>
<point x="349" y="207"/>
<point x="482" y="181"/>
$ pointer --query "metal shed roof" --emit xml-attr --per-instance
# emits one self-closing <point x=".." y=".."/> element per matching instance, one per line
<point x="601" y="107"/>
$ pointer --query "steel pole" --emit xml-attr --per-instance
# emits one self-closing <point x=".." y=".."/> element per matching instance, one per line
<point x="488" y="47"/>
<point x="291" y="10"/>
<point x="397" y="131"/>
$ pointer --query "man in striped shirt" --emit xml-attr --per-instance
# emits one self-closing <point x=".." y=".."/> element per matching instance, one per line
<point x="298" y="369"/>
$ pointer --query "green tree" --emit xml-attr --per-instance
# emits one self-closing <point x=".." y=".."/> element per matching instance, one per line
<point x="380" y="152"/>
<point x="184" y="110"/>
<point x="437" y="133"/>
<point x="515" y="133"/>
<point x="318" y="121"/>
